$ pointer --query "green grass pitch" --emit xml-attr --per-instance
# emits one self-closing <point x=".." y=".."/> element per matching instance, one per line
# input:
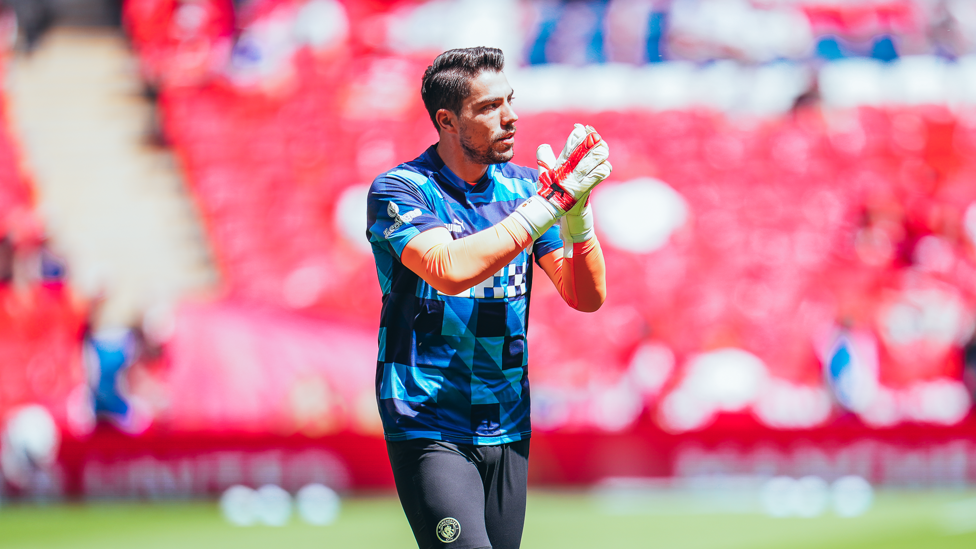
<point x="929" y="520"/>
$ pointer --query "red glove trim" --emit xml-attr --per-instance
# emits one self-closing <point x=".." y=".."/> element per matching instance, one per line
<point x="550" y="181"/>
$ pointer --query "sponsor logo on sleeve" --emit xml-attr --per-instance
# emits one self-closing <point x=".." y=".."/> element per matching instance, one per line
<point x="398" y="220"/>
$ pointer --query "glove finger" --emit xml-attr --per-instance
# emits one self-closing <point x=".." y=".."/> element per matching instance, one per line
<point x="598" y="174"/>
<point x="575" y="138"/>
<point x="592" y="150"/>
<point x="599" y="153"/>
<point x="545" y="158"/>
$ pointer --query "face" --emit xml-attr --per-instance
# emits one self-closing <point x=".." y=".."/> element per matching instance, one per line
<point x="486" y="124"/>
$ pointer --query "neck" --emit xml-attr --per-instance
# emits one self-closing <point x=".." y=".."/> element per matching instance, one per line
<point x="453" y="156"/>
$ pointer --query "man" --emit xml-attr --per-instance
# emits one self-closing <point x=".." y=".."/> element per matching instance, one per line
<point x="453" y="234"/>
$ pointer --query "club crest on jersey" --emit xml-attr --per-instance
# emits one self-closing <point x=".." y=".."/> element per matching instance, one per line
<point x="448" y="530"/>
<point x="398" y="220"/>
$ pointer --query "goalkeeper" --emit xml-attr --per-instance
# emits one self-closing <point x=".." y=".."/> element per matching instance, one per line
<point x="455" y="234"/>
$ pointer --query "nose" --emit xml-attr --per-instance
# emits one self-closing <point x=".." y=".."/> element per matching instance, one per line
<point x="508" y="114"/>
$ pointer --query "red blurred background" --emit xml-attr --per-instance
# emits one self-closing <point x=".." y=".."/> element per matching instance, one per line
<point x="791" y="285"/>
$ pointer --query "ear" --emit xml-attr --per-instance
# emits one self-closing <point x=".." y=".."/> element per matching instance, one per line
<point x="446" y="121"/>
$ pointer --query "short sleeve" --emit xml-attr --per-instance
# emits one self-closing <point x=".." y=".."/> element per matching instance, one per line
<point x="396" y="212"/>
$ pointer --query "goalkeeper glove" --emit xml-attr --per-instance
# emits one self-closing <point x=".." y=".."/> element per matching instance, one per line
<point x="567" y="182"/>
<point x="577" y="225"/>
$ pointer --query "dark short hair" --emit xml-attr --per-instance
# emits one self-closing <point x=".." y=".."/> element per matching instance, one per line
<point x="446" y="81"/>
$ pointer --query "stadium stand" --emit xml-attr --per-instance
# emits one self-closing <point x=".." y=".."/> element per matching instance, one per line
<point x="796" y="227"/>
<point x="114" y="203"/>
<point x="793" y="270"/>
<point x="41" y="321"/>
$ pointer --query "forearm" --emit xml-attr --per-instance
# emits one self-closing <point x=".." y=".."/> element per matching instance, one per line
<point x="582" y="278"/>
<point x="452" y="266"/>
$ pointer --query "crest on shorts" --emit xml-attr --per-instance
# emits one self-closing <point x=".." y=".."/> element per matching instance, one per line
<point x="448" y="530"/>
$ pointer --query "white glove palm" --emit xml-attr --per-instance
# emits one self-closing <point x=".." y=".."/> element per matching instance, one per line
<point x="582" y="165"/>
<point x="577" y="224"/>
<point x="566" y="183"/>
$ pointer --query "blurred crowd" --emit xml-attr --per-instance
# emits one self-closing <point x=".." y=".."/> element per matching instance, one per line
<point x="858" y="297"/>
<point x="261" y="33"/>
<point x="790" y="229"/>
<point x="752" y="32"/>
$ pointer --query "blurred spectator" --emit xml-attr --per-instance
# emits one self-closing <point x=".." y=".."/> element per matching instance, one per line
<point x="180" y="42"/>
<point x="791" y="216"/>
<point x="34" y="18"/>
<point x="969" y="366"/>
<point x="6" y="260"/>
<point x="704" y="30"/>
<point x="115" y="12"/>
<point x="962" y="25"/>
<point x="945" y="33"/>
<point x="649" y="31"/>
<point x="29" y="442"/>
<point x="635" y="31"/>
<point x="109" y="353"/>
<point x="273" y="31"/>
<point x="52" y="268"/>
<point x="26" y="257"/>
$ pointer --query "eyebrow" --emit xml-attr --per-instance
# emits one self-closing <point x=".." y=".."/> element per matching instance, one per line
<point x="493" y="99"/>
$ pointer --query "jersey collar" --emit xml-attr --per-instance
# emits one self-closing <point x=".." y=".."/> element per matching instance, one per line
<point x="449" y="176"/>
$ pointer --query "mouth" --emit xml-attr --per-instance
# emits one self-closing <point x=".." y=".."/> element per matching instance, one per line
<point x="507" y="139"/>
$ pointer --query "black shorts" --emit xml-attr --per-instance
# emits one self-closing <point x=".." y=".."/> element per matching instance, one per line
<point x="460" y="496"/>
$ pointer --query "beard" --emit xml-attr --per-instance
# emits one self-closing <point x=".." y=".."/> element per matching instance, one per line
<point x="486" y="154"/>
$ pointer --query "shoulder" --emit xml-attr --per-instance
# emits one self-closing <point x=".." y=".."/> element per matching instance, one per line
<point x="514" y="181"/>
<point x="414" y="174"/>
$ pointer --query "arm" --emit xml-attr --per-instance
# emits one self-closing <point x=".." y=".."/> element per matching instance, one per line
<point x="580" y="278"/>
<point x="452" y="266"/>
<point x="579" y="272"/>
<point x="400" y="221"/>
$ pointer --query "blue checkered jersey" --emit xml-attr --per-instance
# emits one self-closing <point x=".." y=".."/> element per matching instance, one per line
<point x="451" y="368"/>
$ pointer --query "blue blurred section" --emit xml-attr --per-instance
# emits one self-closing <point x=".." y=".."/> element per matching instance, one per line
<point x="884" y="49"/>
<point x="829" y="48"/>
<point x="111" y="352"/>
<point x="657" y="24"/>
<point x="595" y="51"/>
<point x="537" y="49"/>
<point x="700" y="31"/>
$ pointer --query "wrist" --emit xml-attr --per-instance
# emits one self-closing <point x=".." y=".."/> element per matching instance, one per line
<point x="536" y="215"/>
<point x="579" y="225"/>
